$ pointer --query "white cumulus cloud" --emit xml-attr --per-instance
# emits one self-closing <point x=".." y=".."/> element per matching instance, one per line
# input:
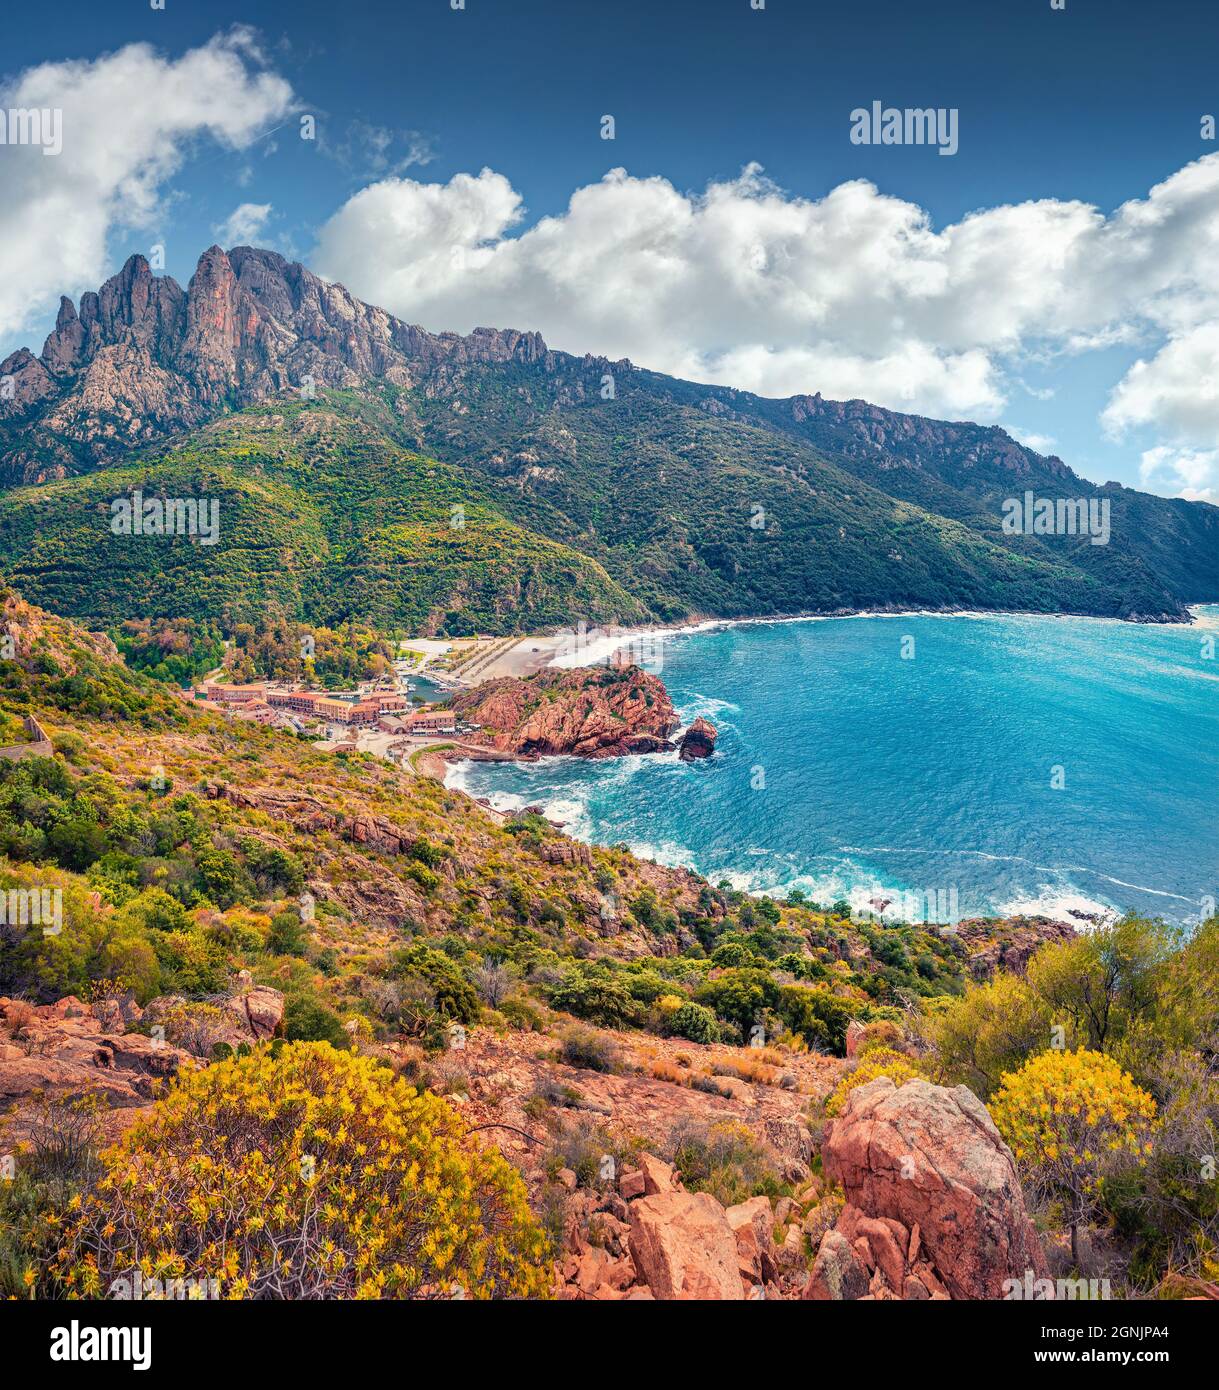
<point x="1189" y="473"/>
<point x="1178" y="388"/>
<point x="1042" y="443"/>
<point x="128" y="119"/>
<point x="854" y="294"/>
<point x="244" y="225"/>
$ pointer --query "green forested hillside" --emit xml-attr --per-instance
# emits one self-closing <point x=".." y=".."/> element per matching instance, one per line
<point x="625" y="511"/>
<point x="322" y="516"/>
<point x="707" y="507"/>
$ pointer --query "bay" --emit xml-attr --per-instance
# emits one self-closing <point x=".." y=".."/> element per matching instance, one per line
<point x="1022" y="764"/>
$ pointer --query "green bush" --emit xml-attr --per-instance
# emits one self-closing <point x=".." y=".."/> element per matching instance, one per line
<point x="191" y="964"/>
<point x="287" y="936"/>
<point x="456" y="999"/>
<point x="819" y="1017"/>
<point x="581" y="1047"/>
<point x="598" y="998"/>
<point x="76" y="843"/>
<point x="519" y="1013"/>
<point x="740" y="997"/>
<point x="695" y="1022"/>
<point x="731" y="954"/>
<point x="308" y="1020"/>
<point x="154" y="910"/>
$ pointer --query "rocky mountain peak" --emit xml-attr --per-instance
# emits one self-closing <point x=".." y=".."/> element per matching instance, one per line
<point x="143" y="357"/>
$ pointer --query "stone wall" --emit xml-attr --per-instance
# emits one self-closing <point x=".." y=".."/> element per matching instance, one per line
<point x="39" y="745"/>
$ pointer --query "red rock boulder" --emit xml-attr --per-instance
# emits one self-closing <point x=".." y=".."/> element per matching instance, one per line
<point x="838" y="1275"/>
<point x="928" y="1156"/>
<point x="684" y="1248"/>
<point x="698" y="741"/>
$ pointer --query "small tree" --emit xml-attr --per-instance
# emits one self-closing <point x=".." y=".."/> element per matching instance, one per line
<point x="1106" y="980"/>
<point x="494" y="980"/>
<point x="987" y="1033"/>
<point x="1071" y="1117"/>
<point x="287" y="935"/>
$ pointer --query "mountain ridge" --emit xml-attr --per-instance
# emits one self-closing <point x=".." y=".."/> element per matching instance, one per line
<point x="698" y="500"/>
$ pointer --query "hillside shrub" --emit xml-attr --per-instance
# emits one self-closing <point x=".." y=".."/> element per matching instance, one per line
<point x="303" y="1172"/>
<point x="1070" y="1119"/>
<point x="882" y="1062"/>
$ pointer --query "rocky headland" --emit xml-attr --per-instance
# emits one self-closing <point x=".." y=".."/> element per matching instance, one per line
<point x="595" y="712"/>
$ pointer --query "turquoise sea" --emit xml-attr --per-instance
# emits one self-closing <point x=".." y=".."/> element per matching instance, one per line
<point x="1066" y="765"/>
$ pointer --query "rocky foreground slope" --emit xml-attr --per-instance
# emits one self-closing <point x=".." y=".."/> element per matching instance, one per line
<point x="910" y="1193"/>
<point x="917" y="1196"/>
<point x="224" y="888"/>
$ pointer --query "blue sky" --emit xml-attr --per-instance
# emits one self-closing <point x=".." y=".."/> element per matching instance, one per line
<point x="1089" y="107"/>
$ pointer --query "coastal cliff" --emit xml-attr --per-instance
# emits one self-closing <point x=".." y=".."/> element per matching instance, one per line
<point x="589" y="713"/>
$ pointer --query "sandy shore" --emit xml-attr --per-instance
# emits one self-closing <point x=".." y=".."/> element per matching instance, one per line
<point x="430" y="763"/>
<point x="644" y="645"/>
<point x="525" y="658"/>
<point x="432" y="760"/>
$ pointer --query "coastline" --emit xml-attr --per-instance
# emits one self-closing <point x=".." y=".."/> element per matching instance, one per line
<point x="1070" y="901"/>
<point x="542" y="651"/>
<point x="539" y="651"/>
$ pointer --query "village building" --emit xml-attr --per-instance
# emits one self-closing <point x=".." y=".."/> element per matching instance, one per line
<point x="433" y="721"/>
<point x="286" y="707"/>
<point x="223" y="693"/>
<point x="299" y="701"/>
<point x="256" y="712"/>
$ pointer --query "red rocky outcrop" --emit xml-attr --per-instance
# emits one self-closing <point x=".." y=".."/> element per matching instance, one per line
<point x="69" y="1050"/>
<point x="932" y="1193"/>
<point x="838" y="1274"/>
<point x="1009" y="945"/>
<point x="654" y="1240"/>
<point x="143" y="357"/>
<point x="590" y="713"/>
<point x="684" y="1248"/>
<point x="855" y="1033"/>
<point x="697" y="742"/>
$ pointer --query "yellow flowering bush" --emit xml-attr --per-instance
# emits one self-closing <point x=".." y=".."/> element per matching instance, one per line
<point x="1069" y="1117"/>
<point x="880" y="1061"/>
<point x="303" y="1172"/>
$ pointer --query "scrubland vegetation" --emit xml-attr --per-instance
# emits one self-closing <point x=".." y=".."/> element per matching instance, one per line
<point x="388" y="910"/>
